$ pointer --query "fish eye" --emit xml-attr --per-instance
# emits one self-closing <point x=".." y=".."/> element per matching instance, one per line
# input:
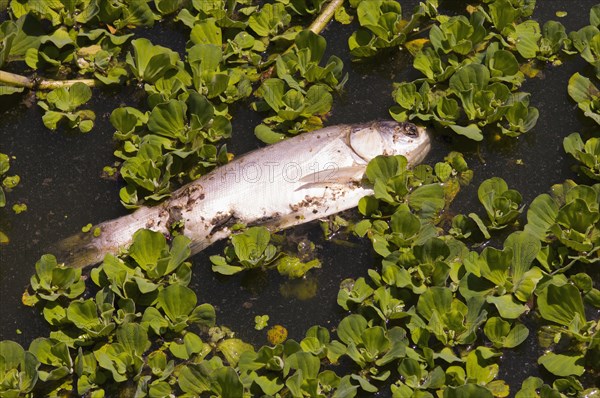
<point x="410" y="130"/>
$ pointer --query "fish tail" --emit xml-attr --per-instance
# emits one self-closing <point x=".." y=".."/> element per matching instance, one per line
<point x="77" y="251"/>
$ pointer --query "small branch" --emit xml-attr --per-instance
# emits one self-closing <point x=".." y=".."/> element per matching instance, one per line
<point x="15" y="80"/>
<point x="325" y="16"/>
<point x="52" y="84"/>
<point x="12" y="79"/>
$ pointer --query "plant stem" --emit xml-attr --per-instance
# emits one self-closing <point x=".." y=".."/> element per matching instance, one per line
<point x="565" y="268"/>
<point x="12" y="79"/>
<point x="325" y="16"/>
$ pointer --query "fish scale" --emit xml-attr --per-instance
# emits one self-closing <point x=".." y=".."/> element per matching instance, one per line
<point x="298" y="180"/>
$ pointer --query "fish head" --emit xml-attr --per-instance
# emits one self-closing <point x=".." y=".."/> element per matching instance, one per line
<point x="391" y="138"/>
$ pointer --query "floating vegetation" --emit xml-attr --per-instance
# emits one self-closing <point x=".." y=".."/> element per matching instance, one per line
<point x="449" y="294"/>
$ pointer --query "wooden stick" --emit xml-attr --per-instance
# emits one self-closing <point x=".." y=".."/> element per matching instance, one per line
<point x="12" y="79"/>
<point x="52" y="84"/>
<point x="325" y="16"/>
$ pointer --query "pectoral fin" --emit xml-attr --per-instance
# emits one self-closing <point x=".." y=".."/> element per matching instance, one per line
<point x="344" y="175"/>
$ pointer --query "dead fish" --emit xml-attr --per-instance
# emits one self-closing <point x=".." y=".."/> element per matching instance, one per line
<point x="294" y="181"/>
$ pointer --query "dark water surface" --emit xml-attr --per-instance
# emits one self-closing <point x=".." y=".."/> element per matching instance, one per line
<point x="61" y="185"/>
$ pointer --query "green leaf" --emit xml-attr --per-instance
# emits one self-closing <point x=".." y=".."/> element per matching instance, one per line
<point x="586" y="94"/>
<point x="305" y="362"/>
<point x="167" y="119"/>
<point x="481" y="365"/>
<point x="563" y="365"/>
<point x="126" y="119"/>
<point x="375" y="341"/>
<point x="453" y="35"/>
<point x="204" y="315"/>
<point x="581" y="89"/>
<point x="470" y="77"/>
<point x="525" y="248"/>
<point x="134" y="338"/>
<point x="405" y="223"/>
<point x="385" y="167"/>
<point x="220" y="265"/>
<point x="150" y="62"/>
<point x="206" y="32"/>
<point x="502" y="14"/>
<point x="526" y="36"/>
<point x="232" y="349"/>
<point x="507" y="306"/>
<point x="427" y="199"/>
<point x="541" y="215"/>
<point x="312" y="41"/>
<point x="147" y="248"/>
<point x="267" y="135"/>
<point x="561" y="304"/>
<point x="228" y="383"/>
<point x="269" y="19"/>
<point x="83" y="314"/>
<point x="19" y="369"/>
<point x="318" y="100"/>
<point x="501" y="335"/>
<point x="60" y="38"/>
<point x="467" y="391"/>
<point x="471" y="131"/>
<point x="194" y="379"/>
<point x="136" y="13"/>
<point x="27" y="35"/>
<point x="294" y="267"/>
<point x="503" y="63"/>
<point x="191" y="344"/>
<point x="435" y="299"/>
<point x="68" y="99"/>
<point x="177" y="302"/>
<point x="350" y="329"/>
<point x="251" y="244"/>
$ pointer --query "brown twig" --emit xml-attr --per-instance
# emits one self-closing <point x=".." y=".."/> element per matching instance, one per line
<point x="325" y="16"/>
<point x="12" y="79"/>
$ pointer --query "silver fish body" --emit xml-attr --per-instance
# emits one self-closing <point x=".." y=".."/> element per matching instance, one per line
<point x="298" y="180"/>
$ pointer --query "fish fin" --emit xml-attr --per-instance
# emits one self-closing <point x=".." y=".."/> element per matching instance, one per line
<point x="77" y="251"/>
<point x="333" y="175"/>
<point x="343" y="175"/>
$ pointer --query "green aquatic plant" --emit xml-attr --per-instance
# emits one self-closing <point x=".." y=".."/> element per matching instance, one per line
<point x="382" y="25"/>
<point x="225" y="56"/>
<point x="394" y="315"/>
<point x="53" y="281"/>
<point x="586" y="94"/>
<point x="437" y="310"/>
<point x="586" y="41"/>
<point x="300" y="95"/>
<point x="501" y="204"/>
<point x="18" y="369"/>
<point x="588" y="154"/>
<point x="252" y="248"/>
<point x="473" y="93"/>
<point x="8" y="182"/>
<point x="60" y="105"/>
<point x="570" y="216"/>
<point x="473" y="65"/>
<point x="174" y="140"/>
